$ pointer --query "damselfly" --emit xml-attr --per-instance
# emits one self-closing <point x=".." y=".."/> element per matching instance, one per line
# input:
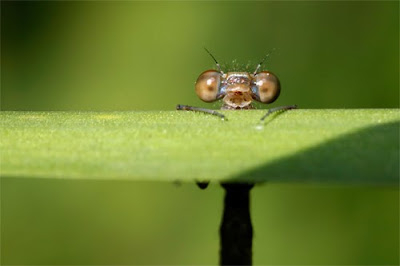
<point x="237" y="90"/>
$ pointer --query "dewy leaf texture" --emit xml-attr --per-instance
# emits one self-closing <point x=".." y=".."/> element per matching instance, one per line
<point x="359" y="146"/>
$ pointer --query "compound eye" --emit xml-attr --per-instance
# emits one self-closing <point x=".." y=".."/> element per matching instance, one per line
<point x="208" y="85"/>
<point x="266" y="87"/>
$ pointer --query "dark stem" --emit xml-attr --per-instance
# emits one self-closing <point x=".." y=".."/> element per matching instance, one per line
<point x="236" y="230"/>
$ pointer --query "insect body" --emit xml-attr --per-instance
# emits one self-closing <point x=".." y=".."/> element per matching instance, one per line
<point x="237" y="90"/>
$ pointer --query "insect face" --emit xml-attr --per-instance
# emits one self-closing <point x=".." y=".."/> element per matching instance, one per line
<point x="238" y="89"/>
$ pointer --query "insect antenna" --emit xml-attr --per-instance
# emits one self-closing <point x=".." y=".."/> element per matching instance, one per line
<point x="215" y="60"/>
<point x="262" y="62"/>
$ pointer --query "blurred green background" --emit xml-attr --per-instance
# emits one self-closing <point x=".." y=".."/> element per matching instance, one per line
<point x="146" y="56"/>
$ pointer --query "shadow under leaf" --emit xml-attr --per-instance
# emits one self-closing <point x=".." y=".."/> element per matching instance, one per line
<point x="371" y="158"/>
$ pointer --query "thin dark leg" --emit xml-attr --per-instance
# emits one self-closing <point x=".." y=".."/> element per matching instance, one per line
<point x="276" y="109"/>
<point x="236" y="231"/>
<point x="199" y="109"/>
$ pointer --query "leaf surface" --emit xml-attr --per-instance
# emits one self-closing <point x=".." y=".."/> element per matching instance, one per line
<point x="335" y="146"/>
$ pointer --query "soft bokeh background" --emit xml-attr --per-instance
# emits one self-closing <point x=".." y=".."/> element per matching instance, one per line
<point x="146" y="56"/>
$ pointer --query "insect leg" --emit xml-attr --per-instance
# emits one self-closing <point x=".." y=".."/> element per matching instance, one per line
<point x="276" y="109"/>
<point x="199" y="109"/>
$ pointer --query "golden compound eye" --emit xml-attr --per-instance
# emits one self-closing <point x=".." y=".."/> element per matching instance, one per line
<point x="208" y="85"/>
<point x="266" y="87"/>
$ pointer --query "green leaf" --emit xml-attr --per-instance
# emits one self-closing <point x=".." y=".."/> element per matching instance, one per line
<point x="339" y="146"/>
